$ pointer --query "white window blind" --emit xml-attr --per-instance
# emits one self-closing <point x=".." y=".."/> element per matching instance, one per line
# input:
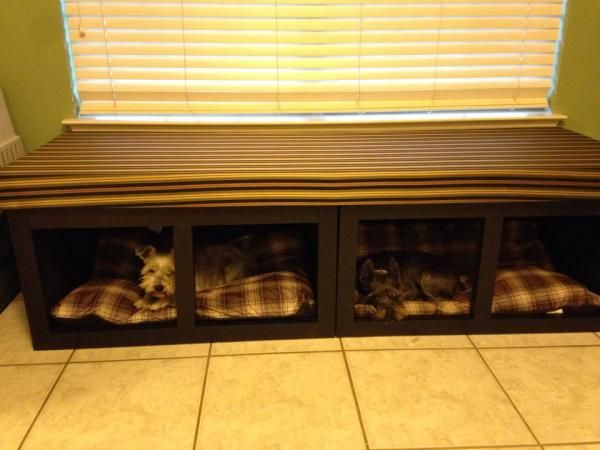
<point x="270" y="56"/>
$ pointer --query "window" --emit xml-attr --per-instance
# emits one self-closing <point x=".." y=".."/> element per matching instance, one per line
<point x="298" y="56"/>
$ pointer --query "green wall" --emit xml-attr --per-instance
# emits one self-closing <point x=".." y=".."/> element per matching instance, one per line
<point x="34" y="73"/>
<point x="578" y="89"/>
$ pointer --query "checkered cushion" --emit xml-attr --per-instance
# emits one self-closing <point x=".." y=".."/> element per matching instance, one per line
<point x="460" y="305"/>
<point x="275" y="294"/>
<point x="521" y="245"/>
<point x="280" y="290"/>
<point x="278" y="251"/>
<point x="115" y="255"/>
<point x="111" y="300"/>
<point x="535" y="290"/>
<point x="456" y="241"/>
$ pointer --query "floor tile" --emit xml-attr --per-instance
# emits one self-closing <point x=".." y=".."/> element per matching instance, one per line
<point x="276" y="346"/>
<point x="142" y="352"/>
<point x="534" y="339"/>
<point x="22" y="392"/>
<point x="404" y="342"/>
<point x="117" y="405"/>
<point x="287" y="401"/>
<point x="433" y="398"/>
<point x="557" y="389"/>
<point x="15" y="341"/>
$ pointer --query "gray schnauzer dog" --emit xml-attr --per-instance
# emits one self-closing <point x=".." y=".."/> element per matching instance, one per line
<point x="388" y="278"/>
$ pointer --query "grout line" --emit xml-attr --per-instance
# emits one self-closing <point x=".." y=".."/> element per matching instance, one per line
<point x="404" y="349"/>
<point x="506" y="393"/>
<point x="360" y="419"/>
<point x="462" y="447"/>
<point x="292" y="352"/>
<point x="508" y="347"/>
<point x="45" y="401"/>
<point x="158" y="358"/>
<point x="571" y="443"/>
<point x="32" y="364"/>
<point x="204" y="382"/>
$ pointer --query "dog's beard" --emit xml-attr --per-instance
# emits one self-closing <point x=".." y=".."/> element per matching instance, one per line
<point x="158" y="271"/>
<point x="148" y="283"/>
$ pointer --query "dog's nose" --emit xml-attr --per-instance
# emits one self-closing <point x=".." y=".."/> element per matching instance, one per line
<point x="158" y="288"/>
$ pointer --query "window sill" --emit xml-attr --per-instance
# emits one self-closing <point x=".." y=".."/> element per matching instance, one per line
<point x="424" y="121"/>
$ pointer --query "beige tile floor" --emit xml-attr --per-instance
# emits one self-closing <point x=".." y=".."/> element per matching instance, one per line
<point x="432" y="392"/>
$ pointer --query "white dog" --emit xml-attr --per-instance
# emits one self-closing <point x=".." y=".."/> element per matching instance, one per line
<point x="157" y="278"/>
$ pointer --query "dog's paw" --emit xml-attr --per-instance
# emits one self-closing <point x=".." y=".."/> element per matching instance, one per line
<point x="381" y="313"/>
<point x="141" y="304"/>
<point x="160" y="304"/>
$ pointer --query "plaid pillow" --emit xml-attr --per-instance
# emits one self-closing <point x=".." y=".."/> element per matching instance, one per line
<point x="111" y="300"/>
<point x="275" y="294"/>
<point x="456" y="241"/>
<point x="535" y="290"/>
<point x="278" y="251"/>
<point x="460" y="305"/>
<point x="521" y="245"/>
<point x="115" y="254"/>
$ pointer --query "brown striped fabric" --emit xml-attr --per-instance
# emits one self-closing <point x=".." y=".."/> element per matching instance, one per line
<point x="308" y="166"/>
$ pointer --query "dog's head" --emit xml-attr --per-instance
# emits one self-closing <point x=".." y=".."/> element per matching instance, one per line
<point x="158" y="274"/>
<point x="377" y="280"/>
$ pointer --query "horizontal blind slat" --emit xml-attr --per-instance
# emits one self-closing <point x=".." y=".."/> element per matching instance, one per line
<point x="229" y="56"/>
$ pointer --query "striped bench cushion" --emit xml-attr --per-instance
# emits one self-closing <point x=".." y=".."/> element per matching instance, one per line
<point x="307" y="165"/>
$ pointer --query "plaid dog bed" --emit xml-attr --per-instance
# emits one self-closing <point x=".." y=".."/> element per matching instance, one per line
<point x="281" y="290"/>
<point x="458" y="306"/>
<point x="283" y="250"/>
<point x="525" y="282"/>
<point x="535" y="290"/>
<point x="275" y="294"/>
<point x="111" y="300"/>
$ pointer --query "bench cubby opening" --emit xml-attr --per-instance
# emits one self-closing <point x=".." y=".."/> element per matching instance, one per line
<point x="58" y="251"/>
<point x="414" y="269"/>
<point x="569" y="231"/>
<point x="91" y="277"/>
<point x="256" y="272"/>
<point x="548" y="267"/>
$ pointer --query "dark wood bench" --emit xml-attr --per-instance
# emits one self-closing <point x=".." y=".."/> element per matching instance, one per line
<point x="308" y="175"/>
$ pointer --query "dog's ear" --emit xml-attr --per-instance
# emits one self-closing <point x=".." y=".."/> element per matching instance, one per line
<point x="244" y="243"/>
<point x="365" y="276"/>
<point x="145" y="252"/>
<point x="394" y="269"/>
